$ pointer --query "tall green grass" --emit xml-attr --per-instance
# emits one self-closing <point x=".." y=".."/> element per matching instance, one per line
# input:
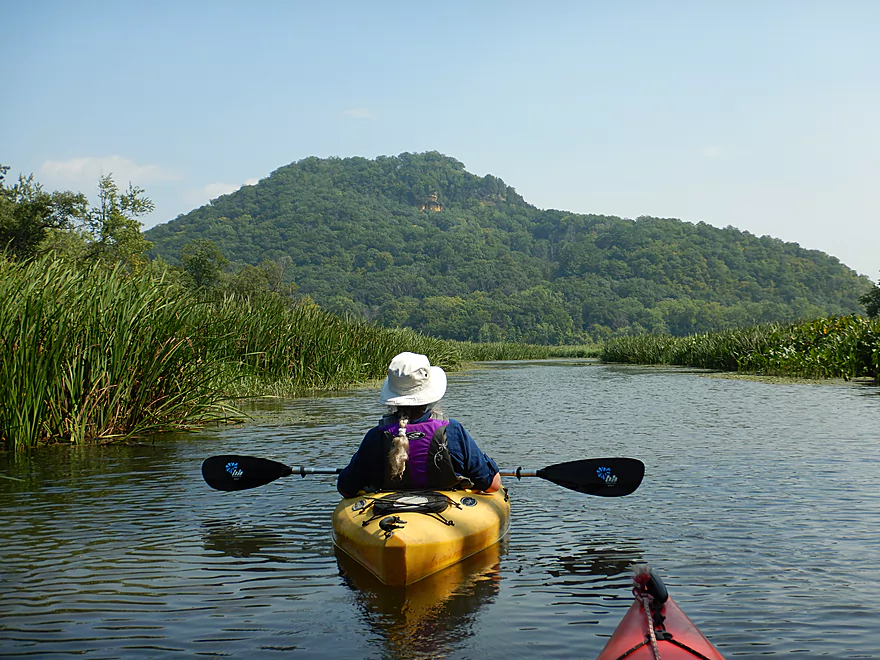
<point x="88" y="354"/>
<point x="836" y="347"/>
<point x="576" y="351"/>
<point x="476" y="352"/>
<point x="96" y="354"/>
<point x="275" y="348"/>
<point x="285" y="351"/>
<point x="483" y="352"/>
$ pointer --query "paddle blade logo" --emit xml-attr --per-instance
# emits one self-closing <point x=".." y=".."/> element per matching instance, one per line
<point x="234" y="471"/>
<point x="606" y="476"/>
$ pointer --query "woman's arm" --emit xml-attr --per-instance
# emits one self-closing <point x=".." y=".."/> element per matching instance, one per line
<point x="495" y="485"/>
<point x="470" y="460"/>
<point x="361" y="471"/>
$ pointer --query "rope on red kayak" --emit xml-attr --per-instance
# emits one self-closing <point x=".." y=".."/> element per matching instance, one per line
<point x="644" y="596"/>
<point x="693" y="652"/>
<point x="645" y="599"/>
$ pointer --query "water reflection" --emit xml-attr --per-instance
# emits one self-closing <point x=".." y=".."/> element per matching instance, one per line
<point x="434" y="616"/>
<point x="240" y="541"/>
<point x="588" y="560"/>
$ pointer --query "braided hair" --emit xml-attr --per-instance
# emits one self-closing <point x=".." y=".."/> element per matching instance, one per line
<point x="398" y="454"/>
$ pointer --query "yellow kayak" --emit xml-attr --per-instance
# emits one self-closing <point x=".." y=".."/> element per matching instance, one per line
<point x="402" y="537"/>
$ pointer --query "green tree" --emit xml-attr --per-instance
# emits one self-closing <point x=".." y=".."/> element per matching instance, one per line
<point x="203" y="262"/>
<point x="28" y="215"/>
<point x="489" y="264"/>
<point x="112" y="225"/>
<point x="871" y="301"/>
<point x="249" y="282"/>
<point x="275" y="271"/>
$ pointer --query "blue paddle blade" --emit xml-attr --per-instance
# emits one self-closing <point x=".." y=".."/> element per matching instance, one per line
<point x="606" y="477"/>
<point x="232" y="472"/>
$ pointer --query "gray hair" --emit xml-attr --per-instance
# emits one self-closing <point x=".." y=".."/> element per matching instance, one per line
<point x="398" y="455"/>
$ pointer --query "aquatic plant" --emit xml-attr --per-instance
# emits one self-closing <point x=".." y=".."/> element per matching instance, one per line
<point x="89" y="353"/>
<point x="500" y="350"/>
<point x="301" y="348"/>
<point x="834" y="347"/>
<point x="96" y="353"/>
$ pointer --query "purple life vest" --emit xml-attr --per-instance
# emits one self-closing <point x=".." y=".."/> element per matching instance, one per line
<point x="429" y="464"/>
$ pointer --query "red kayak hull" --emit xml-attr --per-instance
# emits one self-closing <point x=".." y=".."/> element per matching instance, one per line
<point x="633" y="630"/>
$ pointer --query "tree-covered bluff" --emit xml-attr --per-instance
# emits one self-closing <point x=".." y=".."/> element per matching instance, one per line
<point x="417" y="241"/>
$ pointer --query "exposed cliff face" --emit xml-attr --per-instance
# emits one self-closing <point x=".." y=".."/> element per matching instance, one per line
<point x="431" y="204"/>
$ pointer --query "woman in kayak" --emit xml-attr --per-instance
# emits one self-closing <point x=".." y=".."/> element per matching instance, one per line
<point x="415" y="446"/>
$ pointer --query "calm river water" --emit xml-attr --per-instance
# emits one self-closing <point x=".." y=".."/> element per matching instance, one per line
<point x="760" y="508"/>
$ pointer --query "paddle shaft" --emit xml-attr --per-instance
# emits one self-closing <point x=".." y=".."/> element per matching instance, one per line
<point x="302" y="471"/>
<point x="519" y="473"/>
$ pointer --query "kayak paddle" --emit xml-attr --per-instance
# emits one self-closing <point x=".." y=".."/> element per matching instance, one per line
<point x="232" y="472"/>
<point x="607" y="477"/>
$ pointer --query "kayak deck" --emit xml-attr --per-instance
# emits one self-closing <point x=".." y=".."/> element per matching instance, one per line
<point x="684" y="642"/>
<point x="394" y="539"/>
<point x="655" y="627"/>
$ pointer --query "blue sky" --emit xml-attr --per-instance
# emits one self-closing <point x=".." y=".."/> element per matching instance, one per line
<point x="763" y="115"/>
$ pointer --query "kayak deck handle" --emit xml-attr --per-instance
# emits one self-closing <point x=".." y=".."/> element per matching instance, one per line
<point x="389" y="524"/>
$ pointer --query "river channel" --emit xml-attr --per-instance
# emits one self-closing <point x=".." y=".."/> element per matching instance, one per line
<point x="760" y="509"/>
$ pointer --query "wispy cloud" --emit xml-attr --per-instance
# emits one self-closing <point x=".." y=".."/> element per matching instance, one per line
<point x="200" y="196"/>
<point x="711" y="152"/>
<point x="358" y="113"/>
<point x="85" y="171"/>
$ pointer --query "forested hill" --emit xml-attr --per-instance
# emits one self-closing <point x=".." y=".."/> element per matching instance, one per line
<point x="415" y="240"/>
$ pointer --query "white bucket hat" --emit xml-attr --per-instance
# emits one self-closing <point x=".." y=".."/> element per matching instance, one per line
<point x="412" y="381"/>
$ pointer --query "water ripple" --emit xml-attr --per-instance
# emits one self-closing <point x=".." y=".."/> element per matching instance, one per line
<point x="759" y="508"/>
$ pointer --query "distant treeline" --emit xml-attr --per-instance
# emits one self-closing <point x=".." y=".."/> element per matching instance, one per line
<point x="416" y="241"/>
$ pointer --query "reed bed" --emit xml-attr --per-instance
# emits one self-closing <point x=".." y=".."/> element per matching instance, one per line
<point x="837" y="347"/>
<point x="484" y="352"/>
<point x="476" y="352"/>
<point x="98" y="355"/>
<point x="93" y="354"/>
<point x="288" y="351"/>
<point x="845" y="347"/>
<point x="576" y="351"/>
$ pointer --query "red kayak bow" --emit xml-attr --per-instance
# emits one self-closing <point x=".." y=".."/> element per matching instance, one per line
<point x="656" y="628"/>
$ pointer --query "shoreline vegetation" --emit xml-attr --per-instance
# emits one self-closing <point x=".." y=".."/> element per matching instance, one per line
<point x="100" y="354"/>
<point x="417" y="241"/>
<point x="837" y="347"/>
<point x="99" y="344"/>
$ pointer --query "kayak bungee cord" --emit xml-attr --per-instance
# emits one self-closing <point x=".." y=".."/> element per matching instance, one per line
<point x="427" y="502"/>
